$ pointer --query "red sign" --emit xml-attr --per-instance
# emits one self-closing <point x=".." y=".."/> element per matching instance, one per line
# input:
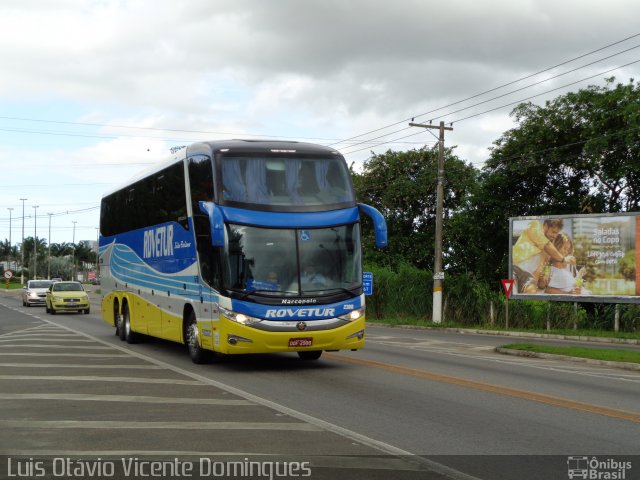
<point x="91" y="276"/>
<point x="507" y="285"/>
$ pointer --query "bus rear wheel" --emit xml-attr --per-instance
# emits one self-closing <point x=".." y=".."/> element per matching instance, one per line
<point x="197" y="354"/>
<point x="310" y="355"/>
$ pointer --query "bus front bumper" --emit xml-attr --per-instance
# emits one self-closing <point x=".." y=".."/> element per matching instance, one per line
<point x="229" y="337"/>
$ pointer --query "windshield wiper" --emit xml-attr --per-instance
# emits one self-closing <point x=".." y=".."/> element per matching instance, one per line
<point x="246" y="293"/>
<point x="334" y="289"/>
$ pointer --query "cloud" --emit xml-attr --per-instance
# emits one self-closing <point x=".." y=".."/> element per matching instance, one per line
<point x="324" y="70"/>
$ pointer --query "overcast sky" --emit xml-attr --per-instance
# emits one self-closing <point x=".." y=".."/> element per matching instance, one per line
<point x="92" y="91"/>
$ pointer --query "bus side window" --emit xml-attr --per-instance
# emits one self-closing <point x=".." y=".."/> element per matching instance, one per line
<point x="201" y="186"/>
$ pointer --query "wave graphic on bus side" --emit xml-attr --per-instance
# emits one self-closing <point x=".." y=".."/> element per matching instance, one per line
<point x="124" y="266"/>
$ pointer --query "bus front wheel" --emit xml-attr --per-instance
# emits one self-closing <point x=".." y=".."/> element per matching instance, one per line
<point x="192" y="338"/>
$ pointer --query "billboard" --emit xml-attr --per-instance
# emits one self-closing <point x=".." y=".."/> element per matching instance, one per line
<point x="586" y="258"/>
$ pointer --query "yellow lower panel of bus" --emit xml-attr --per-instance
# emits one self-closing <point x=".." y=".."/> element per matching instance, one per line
<point x="145" y="316"/>
<point x="107" y="309"/>
<point x="228" y="337"/>
<point x="233" y="338"/>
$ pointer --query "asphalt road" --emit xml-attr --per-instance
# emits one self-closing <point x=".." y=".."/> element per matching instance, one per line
<point x="68" y="386"/>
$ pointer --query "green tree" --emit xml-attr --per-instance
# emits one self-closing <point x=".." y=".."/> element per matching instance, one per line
<point x="40" y="256"/>
<point x="61" y="249"/>
<point x="402" y="185"/>
<point x="84" y="253"/>
<point x="579" y="153"/>
<point x="5" y="250"/>
<point x="61" y="267"/>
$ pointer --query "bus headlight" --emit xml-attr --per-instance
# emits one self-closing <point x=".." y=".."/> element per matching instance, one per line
<point x="241" y="318"/>
<point x="353" y="315"/>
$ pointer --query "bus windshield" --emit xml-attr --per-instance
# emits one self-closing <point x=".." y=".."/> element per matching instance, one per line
<point x="277" y="181"/>
<point x="292" y="262"/>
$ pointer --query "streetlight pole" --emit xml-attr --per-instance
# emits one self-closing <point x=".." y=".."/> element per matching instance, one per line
<point x="97" y="253"/>
<point x="35" y="240"/>
<point x="49" y="250"/>
<point x="73" y="257"/>
<point x="22" y="246"/>
<point x="10" y="211"/>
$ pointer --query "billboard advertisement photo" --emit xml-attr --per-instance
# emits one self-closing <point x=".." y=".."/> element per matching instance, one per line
<point x="588" y="258"/>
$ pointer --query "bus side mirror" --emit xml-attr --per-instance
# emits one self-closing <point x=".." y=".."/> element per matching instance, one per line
<point x="379" y="224"/>
<point x="216" y="222"/>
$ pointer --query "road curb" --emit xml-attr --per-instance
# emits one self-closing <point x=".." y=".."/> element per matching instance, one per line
<point x="552" y="356"/>
<point x="550" y="336"/>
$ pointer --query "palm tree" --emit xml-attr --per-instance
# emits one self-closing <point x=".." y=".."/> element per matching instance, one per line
<point x="40" y="260"/>
<point x="61" y="249"/>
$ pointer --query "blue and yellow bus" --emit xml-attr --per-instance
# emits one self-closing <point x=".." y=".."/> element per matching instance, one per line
<point x="239" y="246"/>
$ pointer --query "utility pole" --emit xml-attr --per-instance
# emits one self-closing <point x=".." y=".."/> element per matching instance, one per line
<point x="438" y="274"/>
<point x="97" y="253"/>
<point x="22" y="246"/>
<point x="10" y="245"/>
<point x="35" y="239"/>
<point x="49" y="250"/>
<point x="73" y="257"/>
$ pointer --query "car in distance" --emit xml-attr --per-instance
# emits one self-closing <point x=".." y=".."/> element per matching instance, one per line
<point x="35" y="292"/>
<point x="67" y="297"/>
<point x="56" y="279"/>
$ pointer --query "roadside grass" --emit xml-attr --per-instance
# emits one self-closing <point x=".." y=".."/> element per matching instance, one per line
<point x="610" y="355"/>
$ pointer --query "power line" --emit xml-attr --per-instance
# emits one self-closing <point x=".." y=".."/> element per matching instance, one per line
<point x="385" y="143"/>
<point x="543" y="81"/>
<point x="488" y="91"/>
<point x="544" y="93"/>
<point x="59" y="214"/>
<point x="506" y="105"/>
<point x="177" y="140"/>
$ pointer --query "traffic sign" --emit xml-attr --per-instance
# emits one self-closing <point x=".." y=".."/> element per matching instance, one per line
<point x="507" y="285"/>
<point x="8" y="274"/>
<point x="367" y="283"/>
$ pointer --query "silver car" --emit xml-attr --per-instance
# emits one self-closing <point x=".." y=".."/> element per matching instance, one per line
<point x="35" y="292"/>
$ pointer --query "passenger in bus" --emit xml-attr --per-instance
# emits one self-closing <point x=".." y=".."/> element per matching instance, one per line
<point x="312" y="278"/>
<point x="272" y="281"/>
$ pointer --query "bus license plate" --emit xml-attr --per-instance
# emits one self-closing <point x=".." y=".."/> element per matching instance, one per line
<point x="300" y="342"/>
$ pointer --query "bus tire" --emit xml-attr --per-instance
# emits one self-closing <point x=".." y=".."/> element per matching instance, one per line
<point x="127" y="334"/>
<point x="310" y="354"/>
<point x="117" y="318"/>
<point x="197" y="354"/>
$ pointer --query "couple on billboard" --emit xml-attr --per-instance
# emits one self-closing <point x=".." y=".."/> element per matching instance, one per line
<point x="543" y="260"/>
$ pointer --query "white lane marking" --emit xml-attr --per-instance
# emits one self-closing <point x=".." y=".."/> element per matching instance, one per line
<point x="129" y="425"/>
<point x="121" y="398"/>
<point x="83" y="365"/>
<point x="57" y="355"/>
<point x="53" y="347"/>
<point x="64" y="378"/>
